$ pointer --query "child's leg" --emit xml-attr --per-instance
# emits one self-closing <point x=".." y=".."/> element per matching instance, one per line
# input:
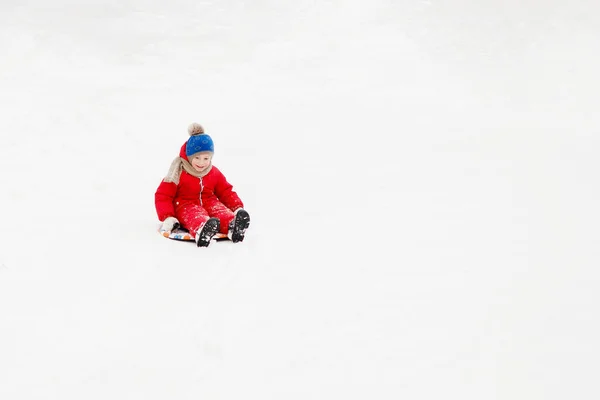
<point x="224" y="214"/>
<point x="231" y="224"/>
<point x="191" y="217"/>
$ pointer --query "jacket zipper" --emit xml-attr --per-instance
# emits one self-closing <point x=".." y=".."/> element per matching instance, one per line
<point x="201" y="189"/>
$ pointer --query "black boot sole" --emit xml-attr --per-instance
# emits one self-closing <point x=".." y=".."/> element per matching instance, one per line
<point x="210" y="228"/>
<point x="240" y="224"/>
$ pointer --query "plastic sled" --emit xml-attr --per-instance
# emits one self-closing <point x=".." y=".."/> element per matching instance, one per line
<point x="183" y="235"/>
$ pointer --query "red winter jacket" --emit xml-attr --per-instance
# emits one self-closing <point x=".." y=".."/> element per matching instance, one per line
<point x="205" y="191"/>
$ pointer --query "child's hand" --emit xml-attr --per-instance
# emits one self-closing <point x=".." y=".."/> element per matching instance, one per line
<point x="169" y="224"/>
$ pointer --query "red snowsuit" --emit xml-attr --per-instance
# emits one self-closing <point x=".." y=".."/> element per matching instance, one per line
<point x="194" y="200"/>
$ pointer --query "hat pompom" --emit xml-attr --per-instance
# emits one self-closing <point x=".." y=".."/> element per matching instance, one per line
<point x="195" y="129"/>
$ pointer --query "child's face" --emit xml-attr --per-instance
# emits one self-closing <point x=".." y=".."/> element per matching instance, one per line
<point x="201" y="161"/>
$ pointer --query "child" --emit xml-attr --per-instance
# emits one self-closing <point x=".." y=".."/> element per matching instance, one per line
<point x="196" y="194"/>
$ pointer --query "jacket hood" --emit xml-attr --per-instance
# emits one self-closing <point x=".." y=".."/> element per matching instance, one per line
<point x="182" y="151"/>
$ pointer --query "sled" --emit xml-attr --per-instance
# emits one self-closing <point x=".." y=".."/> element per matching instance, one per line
<point x="183" y="235"/>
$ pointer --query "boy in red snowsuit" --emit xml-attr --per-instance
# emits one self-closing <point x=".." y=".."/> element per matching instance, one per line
<point x="197" y="196"/>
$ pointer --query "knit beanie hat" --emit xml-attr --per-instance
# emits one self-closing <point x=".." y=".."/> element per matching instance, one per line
<point x="198" y="141"/>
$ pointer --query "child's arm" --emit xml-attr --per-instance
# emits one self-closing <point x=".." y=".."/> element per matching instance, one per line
<point x="226" y="194"/>
<point x="163" y="200"/>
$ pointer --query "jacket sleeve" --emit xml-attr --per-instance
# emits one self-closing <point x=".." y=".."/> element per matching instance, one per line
<point x="226" y="194"/>
<point x="163" y="200"/>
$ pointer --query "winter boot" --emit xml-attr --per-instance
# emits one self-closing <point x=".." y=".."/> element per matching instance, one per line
<point x="238" y="226"/>
<point x="205" y="234"/>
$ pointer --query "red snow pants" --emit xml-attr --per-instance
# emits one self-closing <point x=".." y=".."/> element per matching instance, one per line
<point x="193" y="216"/>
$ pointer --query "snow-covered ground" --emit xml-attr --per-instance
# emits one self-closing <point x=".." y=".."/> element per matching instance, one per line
<point x="422" y="178"/>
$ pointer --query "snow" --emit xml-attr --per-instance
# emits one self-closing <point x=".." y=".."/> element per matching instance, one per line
<point x="421" y="177"/>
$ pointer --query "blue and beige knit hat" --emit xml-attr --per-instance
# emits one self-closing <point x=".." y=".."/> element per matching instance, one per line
<point x="198" y="141"/>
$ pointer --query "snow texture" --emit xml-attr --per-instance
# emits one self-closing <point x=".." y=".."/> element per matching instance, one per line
<point x="463" y="134"/>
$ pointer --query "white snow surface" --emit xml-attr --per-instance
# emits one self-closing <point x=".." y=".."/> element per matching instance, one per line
<point x="422" y="178"/>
